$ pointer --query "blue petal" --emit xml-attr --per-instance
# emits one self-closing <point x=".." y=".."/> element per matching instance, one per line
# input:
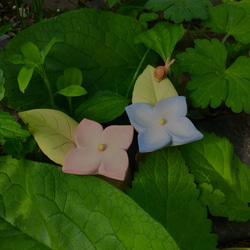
<point x="153" y="139"/>
<point x="182" y="131"/>
<point x="171" y="107"/>
<point x="141" y="115"/>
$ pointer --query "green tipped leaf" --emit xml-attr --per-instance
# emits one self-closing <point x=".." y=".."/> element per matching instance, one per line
<point x="72" y="90"/>
<point x="31" y="53"/>
<point x="53" y="131"/>
<point x="166" y="190"/>
<point x="105" y="106"/>
<point x="162" y="38"/>
<point x="24" y="77"/>
<point x="65" y="211"/>
<point x="46" y="50"/>
<point x="213" y="161"/>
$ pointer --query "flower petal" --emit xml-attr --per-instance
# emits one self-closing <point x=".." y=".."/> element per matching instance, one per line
<point x="118" y="136"/>
<point x="88" y="134"/>
<point x="141" y="115"/>
<point x="114" y="164"/>
<point x="153" y="139"/>
<point x="81" y="161"/>
<point x="182" y="131"/>
<point x="171" y="107"/>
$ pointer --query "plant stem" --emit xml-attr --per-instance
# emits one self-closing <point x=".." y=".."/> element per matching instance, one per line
<point x="137" y="72"/>
<point x="225" y="38"/>
<point x="42" y="73"/>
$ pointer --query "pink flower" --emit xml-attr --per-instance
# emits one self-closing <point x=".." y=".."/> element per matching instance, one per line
<point x="100" y="151"/>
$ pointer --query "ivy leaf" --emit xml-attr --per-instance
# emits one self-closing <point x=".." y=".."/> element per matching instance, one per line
<point x="165" y="189"/>
<point x="52" y="130"/>
<point x="179" y="11"/>
<point x="148" y="90"/>
<point x="2" y="81"/>
<point x="103" y="107"/>
<point x="63" y="211"/>
<point x="212" y="161"/>
<point x="214" y="199"/>
<point x="99" y="43"/>
<point x="162" y="38"/>
<point x="211" y="82"/>
<point x="231" y="20"/>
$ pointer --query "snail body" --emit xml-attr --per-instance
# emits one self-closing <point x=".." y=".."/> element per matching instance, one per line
<point x="161" y="72"/>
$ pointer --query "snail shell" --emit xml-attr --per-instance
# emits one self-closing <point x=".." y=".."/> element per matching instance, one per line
<point x="160" y="73"/>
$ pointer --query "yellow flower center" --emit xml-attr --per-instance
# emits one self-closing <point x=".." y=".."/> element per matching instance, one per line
<point x="100" y="147"/>
<point x="161" y="121"/>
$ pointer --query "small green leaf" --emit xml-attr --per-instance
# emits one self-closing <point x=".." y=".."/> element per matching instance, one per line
<point x="112" y="2"/>
<point x="166" y="190"/>
<point x="214" y="199"/>
<point x="5" y="28"/>
<point x="66" y="211"/>
<point x="211" y="82"/>
<point x="2" y="81"/>
<point x="178" y="10"/>
<point x="162" y="38"/>
<point x="72" y="90"/>
<point x="31" y="53"/>
<point x="24" y="77"/>
<point x="231" y="20"/>
<point x="9" y="128"/>
<point x="148" y="17"/>
<point x="212" y="161"/>
<point x="52" y="130"/>
<point x="71" y="76"/>
<point x="103" y="107"/>
<point x="16" y="59"/>
<point x="148" y="90"/>
<point x="46" y="50"/>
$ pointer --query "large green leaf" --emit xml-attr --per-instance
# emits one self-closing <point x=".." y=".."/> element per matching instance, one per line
<point x="63" y="211"/>
<point x="165" y="189"/>
<point x="53" y="131"/>
<point x="162" y="38"/>
<point x="211" y="82"/>
<point x="213" y="161"/>
<point x="231" y="20"/>
<point x="100" y="44"/>
<point x="179" y="10"/>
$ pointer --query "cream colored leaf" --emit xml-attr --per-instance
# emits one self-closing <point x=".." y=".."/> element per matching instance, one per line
<point x="148" y="90"/>
<point x="53" y="131"/>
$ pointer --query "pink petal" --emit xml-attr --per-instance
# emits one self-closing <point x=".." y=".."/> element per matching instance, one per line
<point x="82" y="161"/>
<point x="114" y="164"/>
<point x="118" y="136"/>
<point x="88" y="134"/>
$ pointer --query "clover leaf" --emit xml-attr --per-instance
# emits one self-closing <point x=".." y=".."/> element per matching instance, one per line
<point x="211" y="82"/>
<point x="162" y="38"/>
<point x="178" y="10"/>
<point x="231" y="20"/>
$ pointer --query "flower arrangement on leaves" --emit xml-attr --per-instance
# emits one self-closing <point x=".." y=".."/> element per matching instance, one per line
<point x="157" y="113"/>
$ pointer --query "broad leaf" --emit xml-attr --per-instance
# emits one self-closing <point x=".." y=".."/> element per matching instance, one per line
<point x="24" y="77"/>
<point x="213" y="161"/>
<point x="99" y="43"/>
<point x="105" y="106"/>
<point x="165" y="189"/>
<point x="148" y="90"/>
<point x="2" y="88"/>
<point x="12" y="238"/>
<point x="178" y="10"/>
<point x="211" y="82"/>
<point x="52" y="130"/>
<point x="63" y="211"/>
<point x="162" y="38"/>
<point x="231" y="20"/>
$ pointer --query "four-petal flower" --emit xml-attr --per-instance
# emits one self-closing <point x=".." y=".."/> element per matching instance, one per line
<point x="99" y="151"/>
<point x="163" y="125"/>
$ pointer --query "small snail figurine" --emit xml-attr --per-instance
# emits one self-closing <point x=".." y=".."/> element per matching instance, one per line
<point x="161" y="72"/>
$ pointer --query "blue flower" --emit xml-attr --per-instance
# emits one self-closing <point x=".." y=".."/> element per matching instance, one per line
<point x="163" y="125"/>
